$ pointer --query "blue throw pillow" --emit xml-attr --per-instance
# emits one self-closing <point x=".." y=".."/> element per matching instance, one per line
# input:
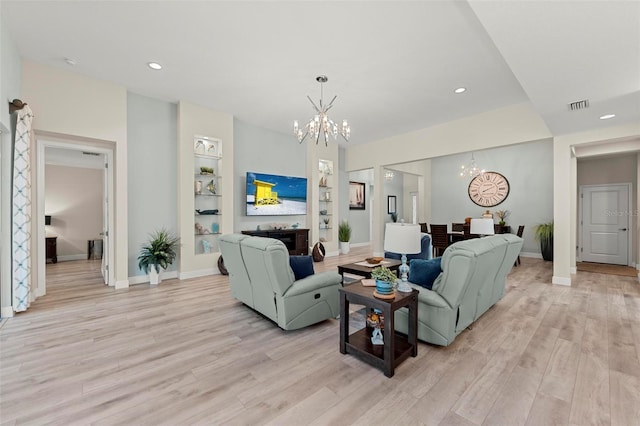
<point x="424" y="272"/>
<point x="302" y="266"/>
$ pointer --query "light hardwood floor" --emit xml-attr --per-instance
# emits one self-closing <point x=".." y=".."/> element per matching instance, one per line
<point x="185" y="352"/>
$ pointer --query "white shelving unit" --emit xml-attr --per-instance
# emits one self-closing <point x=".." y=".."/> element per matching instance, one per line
<point x="326" y="198"/>
<point x="207" y="223"/>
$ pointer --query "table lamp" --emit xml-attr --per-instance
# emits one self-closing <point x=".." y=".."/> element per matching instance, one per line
<point x="482" y="227"/>
<point x="404" y="239"/>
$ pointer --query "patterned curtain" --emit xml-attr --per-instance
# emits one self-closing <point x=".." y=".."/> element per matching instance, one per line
<point x="22" y="211"/>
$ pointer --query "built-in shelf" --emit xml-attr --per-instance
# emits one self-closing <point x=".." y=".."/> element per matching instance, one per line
<point x="207" y="153"/>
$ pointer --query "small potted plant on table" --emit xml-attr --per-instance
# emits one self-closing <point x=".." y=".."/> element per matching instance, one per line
<point x="385" y="280"/>
<point x="158" y="252"/>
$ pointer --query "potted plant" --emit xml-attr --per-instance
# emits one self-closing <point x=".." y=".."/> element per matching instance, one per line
<point x="385" y="279"/>
<point x="344" y="236"/>
<point x="158" y="252"/>
<point x="544" y="233"/>
<point x="502" y="215"/>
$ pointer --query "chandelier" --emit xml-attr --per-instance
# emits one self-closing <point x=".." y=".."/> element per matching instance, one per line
<point x="471" y="170"/>
<point x="321" y="123"/>
<point x="388" y="175"/>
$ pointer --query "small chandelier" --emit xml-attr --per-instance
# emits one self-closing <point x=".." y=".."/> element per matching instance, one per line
<point x="321" y="123"/>
<point x="388" y="175"/>
<point x="471" y="170"/>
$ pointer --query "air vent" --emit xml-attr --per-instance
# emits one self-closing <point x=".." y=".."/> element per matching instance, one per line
<point x="95" y="154"/>
<point x="574" y="106"/>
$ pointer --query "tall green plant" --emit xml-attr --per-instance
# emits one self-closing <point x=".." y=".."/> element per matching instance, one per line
<point x="344" y="232"/>
<point x="159" y="251"/>
<point x="544" y="231"/>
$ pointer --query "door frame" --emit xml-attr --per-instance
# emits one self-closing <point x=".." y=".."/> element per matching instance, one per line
<point x="41" y="144"/>
<point x="630" y="257"/>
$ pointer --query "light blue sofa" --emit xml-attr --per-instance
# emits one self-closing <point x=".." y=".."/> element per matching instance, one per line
<point x="472" y="280"/>
<point x="261" y="278"/>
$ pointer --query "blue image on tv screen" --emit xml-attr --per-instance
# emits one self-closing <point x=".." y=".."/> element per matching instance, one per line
<point x="276" y="195"/>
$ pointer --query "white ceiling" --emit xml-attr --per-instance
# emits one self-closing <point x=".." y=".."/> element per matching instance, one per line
<point x="393" y="64"/>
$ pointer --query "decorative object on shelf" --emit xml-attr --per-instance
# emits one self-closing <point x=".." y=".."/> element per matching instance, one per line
<point x="344" y="236"/>
<point x="204" y="170"/>
<point x="388" y="175"/>
<point x="215" y="228"/>
<point x="199" y="147"/>
<point x="482" y="227"/>
<point x="197" y="187"/>
<point x="385" y="280"/>
<point x="317" y="253"/>
<point x="321" y="123"/>
<point x="394" y="217"/>
<point x="200" y="230"/>
<point x="375" y="322"/>
<point x="391" y="204"/>
<point x="323" y="212"/>
<point x="206" y="246"/>
<point x="159" y="252"/>
<point x="502" y="215"/>
<point x="325" y="167"/>
<point x="544" y="233"/>
<point x="326" y="222"/>
<point x="295" y="225"/>
<point x="374" y="260"/>
<point x="488" y="189"/>
<point x="279" y="226"/>
<point x="211" y="150"/>
<point x="211" y="186"/>
<point x="471" y="170"/>
<point x="404" y="239"/>
<point x="327" y="196"/>
<point x="487" y="215"/>
<point x="376" y="337"/>
<point x="356" y="196"/>
<point x="323" y="182"/>
<point x="207" y="212"/>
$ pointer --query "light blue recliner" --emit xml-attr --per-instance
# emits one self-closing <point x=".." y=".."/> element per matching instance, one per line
<point x="472" y="280"/>
<point x="261" y="278"/>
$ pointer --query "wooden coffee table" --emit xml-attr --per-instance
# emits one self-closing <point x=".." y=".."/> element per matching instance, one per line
<point x="397" y="347"/>
<point x="365" y="271"/>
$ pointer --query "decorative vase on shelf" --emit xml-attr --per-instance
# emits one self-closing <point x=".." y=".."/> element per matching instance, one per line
<point x="215" y="228"/>
<point x="197" y="187"/>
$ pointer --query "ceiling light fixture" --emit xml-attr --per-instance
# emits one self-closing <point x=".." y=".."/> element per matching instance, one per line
<point x="607" y="116"/>
<point x="388" y="175"/>
<point x="471" y="170"/>
<point x="460" y="90"/>
<point x="71" y="62"/>
<point x="321" y="123"/>
<point x="154" y="66"/>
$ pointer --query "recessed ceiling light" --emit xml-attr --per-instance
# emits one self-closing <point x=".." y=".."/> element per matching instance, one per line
<point x="460" y="90"/>
<point x="607" y="116"/>
<point x="154" y="66"/>
<point x="70" y="61"/>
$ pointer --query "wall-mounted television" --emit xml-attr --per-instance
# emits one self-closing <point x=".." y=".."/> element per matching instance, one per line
<point x="276" y="195"/>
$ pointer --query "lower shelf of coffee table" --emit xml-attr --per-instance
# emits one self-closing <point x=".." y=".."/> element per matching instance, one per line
<point x="359" y="344"/>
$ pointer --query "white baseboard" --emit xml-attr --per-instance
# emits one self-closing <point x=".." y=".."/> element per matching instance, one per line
<point x="198" y="273"/>
<point x="141" y="279"/>
<point x="332" y="253"/>
<point x="68" y="257"/>
<point x="561" y="281"/>
<point x="573" y="270"/>
<point x="6" y="312"/>
<point x="530" y="254"/>
<point x="359" y="244"/>
<point x="121" y="284"/>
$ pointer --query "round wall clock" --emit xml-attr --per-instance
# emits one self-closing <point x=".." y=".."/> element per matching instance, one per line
<point x="488" y="189"/>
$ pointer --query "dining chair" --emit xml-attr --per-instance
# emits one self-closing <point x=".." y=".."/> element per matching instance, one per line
<point x="424" y="227"/>
<point x="439" y="239"/>
<point x="519" y="234"/>
<point x="457" y="227"/>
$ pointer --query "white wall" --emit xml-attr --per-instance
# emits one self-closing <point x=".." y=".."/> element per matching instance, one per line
<point x="72" y="107"/>
<point x="152" y="167"/>
<point x="360" y="220"/>
<point x="73" y="199"/>
<point x="529" y="169"/>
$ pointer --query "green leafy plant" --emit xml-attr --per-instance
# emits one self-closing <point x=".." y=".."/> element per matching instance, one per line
<point x="544" y="233"/>
<point x="394" y="217"/>
<point x="159" y="251"/>
<point x="382" y="273"/>
<point x="344" y="232"/>
<point x="206" y="170"/>
<point x="502" y="215"/>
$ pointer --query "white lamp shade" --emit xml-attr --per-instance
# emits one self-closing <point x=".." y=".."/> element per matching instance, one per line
<point x="482" y="227"/>
<point x="402" y="238"/>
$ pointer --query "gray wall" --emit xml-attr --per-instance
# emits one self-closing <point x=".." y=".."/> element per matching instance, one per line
<point x="152" y="136"/>
<point x="360" y="220"/>
<point x="10" y="72"/>
<point x="394" y="187"/>
<point x="528" y="168"/>
<point x="264" y="151"/>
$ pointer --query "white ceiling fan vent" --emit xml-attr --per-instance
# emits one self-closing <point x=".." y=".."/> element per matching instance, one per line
<point x="574" y="106"/>
<point x="95" y="154"/>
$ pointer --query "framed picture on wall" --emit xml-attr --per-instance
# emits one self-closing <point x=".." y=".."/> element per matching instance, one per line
<point x="356" y="196"/>
<point x="391" y="204"/>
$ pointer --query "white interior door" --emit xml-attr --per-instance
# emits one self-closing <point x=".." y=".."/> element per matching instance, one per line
<point x="105" y="222"/>
<point x="605" y="224"/>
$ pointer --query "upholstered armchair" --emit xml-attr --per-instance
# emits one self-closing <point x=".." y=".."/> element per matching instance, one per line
<point x="425" y="250"/>
<point x="261" y="278"/>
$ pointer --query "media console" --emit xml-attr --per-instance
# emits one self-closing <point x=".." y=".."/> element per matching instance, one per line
<point x="296" y="240"/>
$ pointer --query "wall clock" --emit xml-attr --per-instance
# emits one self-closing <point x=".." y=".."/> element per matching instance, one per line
<point x="488" y="189"/>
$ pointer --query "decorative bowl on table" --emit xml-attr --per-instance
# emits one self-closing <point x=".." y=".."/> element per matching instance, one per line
<point x="374" y="260"/>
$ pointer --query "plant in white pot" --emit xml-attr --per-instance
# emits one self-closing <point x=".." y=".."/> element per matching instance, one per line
<point x="159" y="252"/>
<point x="344" y="236"/>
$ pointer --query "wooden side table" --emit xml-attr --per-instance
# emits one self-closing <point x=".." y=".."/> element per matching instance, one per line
<point x="397" y="347"/>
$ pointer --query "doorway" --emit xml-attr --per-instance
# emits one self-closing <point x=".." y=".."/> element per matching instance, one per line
<point x="100" y="157"/>
<point x="605" y="228"/>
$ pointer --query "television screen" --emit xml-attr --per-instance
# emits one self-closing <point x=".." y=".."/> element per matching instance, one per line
<point x="275" y="195"/>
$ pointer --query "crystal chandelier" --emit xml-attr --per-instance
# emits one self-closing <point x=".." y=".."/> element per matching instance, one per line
<point x="321" y="123"/>
<point x="471" y="170"/>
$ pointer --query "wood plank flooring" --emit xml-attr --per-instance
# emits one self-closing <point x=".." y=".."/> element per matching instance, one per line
<point x="185" y="352"/>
